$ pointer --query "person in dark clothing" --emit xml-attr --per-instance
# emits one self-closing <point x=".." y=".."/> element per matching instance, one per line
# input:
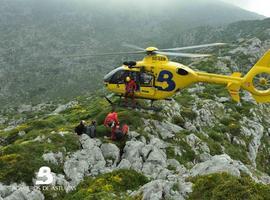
<point x="81" y="128"/>
<point x="91" y="129"/>
<point x="121" y="133"/>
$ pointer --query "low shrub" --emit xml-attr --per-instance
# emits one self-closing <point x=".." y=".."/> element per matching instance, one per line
<point x="112" y="185"/>
<point x="225" y="186"/>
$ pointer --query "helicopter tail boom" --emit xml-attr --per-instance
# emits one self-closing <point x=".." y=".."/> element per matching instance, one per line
<point x="233" y="82"/>
<point x="256" y="81"/>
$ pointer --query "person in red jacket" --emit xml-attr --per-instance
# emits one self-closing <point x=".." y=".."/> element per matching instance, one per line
<point x="112" y="121"/>
<point x="131" y="87"/>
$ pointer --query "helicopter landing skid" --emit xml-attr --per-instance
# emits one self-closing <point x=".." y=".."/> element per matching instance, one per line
<point x="138" y="106"/>
<point x="131" y="105"/>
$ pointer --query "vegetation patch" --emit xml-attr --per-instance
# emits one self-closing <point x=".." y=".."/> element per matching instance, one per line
<point x="20" y="160"/>
<point x="263" y="156"/>
<point x="112" y="185"/>
<point x="186" y="155"/>
<point x="225" y="186"/>
<point x="188" y="113"/>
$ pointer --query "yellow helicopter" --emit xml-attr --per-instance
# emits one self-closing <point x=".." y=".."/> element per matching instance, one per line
<point x="159" y="78"/>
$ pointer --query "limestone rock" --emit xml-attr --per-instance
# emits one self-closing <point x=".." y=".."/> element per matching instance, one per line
<point x="178" y="167"/>
<point x="132" y="153"/>
<point x="165" y="129"/>
<point x="220" y="163"/>
<point x="162" y="189"/>
<point x="110" y="152"/>
<point x="54" y="158"/>
<point x="89" y="160"/>
<point x="196" y="144"/>
<point x="124" y="164"/>
<point x="25" y="108"/>
<point x="62" y="108"/>
<point x="157" y="143"/>
<point x="254" y="129"/>
<point x="20" y="192"/>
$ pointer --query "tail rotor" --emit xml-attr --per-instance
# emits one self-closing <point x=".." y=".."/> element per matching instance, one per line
<point x="261" y="82"/>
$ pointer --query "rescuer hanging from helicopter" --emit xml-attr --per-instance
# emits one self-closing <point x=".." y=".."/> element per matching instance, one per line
<point x="131" y="87"/>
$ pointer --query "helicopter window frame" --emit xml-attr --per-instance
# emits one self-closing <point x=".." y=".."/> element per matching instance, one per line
<point x="108" y="77"/>
<point x="118" y="76"/>
<point x="150" y="82"/>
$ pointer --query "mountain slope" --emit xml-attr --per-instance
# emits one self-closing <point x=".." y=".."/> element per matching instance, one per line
<point x="230" y="33"/>
<point x="36" y="36"/>
<point x="178" y="153"/>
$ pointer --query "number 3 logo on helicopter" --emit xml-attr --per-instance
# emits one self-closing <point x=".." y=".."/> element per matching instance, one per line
<point x="166" y="76"/>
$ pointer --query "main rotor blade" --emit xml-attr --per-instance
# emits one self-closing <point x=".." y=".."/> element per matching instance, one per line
<point x="132" y="46"/>
<point x="107" y="54"/>
<point x="194" y="47"/>
<point x="185" y="55"/>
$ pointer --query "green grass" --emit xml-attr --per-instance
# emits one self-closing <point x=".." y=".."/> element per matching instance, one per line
<point x="188" y="113"/>
<point x="224" y="186"/>
<point x="263" y="156"/>
<point x="178" y="120"/>
<point x="185" y="98"/>
<point x="213" y="141"/>
<point x="188" y="155"/>
<point x="237" y="152"/>
<point x="108" y="186"/>
<point x="217" y="138"/>
<point x="20" y="160"/>
<point x="211" y="91"/>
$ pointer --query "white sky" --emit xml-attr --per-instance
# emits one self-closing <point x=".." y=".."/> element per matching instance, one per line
<point x="259" y="6"/>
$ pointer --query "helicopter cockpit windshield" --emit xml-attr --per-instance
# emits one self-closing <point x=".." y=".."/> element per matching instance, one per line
<point x="116" y="76"/>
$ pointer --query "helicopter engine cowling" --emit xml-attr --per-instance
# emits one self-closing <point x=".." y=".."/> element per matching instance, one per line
<point x="130" y="64"/>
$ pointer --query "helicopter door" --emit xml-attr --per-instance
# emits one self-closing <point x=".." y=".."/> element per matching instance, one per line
<point x="146" y="85"/>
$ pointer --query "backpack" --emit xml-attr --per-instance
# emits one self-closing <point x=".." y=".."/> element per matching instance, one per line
<point x="91" y="131"/>
<point x="119" y="134"/>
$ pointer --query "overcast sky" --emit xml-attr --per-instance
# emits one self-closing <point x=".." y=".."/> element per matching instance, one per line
<point x="259" y="6"/>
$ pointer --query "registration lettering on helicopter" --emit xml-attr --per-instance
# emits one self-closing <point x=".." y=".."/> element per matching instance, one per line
<point x="159" y="58"/>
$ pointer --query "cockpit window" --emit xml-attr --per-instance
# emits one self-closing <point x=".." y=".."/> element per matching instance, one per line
<point x="108" y="76"/>
<point x="119" y="77"/>
<point x="116" y="76"/>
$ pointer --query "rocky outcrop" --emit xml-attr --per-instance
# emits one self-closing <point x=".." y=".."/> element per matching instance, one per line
<point x="62" y="108"/>
<point x="163" y="189"/>
<point x="88" y="161"/>
<point x="253" y="129"/>
<point x="111" y="154"/>
<point x="20" y="192"/>
<point x="54" y="158"/>
<point x="207" y="114"/>
<point x="165" y="129"/>
<point x="220" y="163"/>
<point x="197" y="145"/>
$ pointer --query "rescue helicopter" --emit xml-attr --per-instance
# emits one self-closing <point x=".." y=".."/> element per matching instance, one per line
<point x="158" y="78"/>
